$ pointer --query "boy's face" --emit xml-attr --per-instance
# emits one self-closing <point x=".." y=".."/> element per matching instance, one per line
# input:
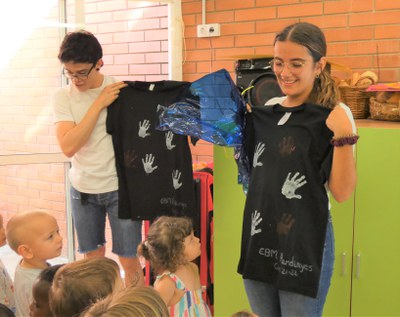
<point x="83" y="76"/>
<point x="45" y="240"/>
<point x="40" y="304"/>
<point x="3" y="239"/>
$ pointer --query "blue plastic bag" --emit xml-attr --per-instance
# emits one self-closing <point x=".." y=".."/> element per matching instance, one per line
<point x="214" y="112"/>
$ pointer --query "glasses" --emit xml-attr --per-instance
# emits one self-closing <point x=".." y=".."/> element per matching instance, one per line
<point x="295" y="67"/>
<point x="79" y="75"/>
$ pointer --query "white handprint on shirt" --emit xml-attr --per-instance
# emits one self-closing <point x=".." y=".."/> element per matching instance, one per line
<point x="176" y="175"/>
<point x="290" y="185"/>
<point x="168" y="140"/>
<point x="255" y="221"/>
<point x="148" y="163"/>
<point x="259" y="150"/>
<point x="143" y="127"/>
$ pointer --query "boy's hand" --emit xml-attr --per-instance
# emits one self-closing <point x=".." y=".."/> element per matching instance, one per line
<point x="109" y="94"/>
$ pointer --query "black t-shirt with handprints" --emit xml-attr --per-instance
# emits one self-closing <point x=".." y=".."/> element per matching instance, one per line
<point x="286" y="209"/>
<point x="154" y="168"/>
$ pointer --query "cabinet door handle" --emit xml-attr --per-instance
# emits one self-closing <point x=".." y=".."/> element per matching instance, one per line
<point x="358" y="264"/>
<point x="343" y="263"/>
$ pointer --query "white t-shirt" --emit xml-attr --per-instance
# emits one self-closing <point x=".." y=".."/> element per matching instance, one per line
<point x="23" y="282"/>
<point x="93" y="166"/>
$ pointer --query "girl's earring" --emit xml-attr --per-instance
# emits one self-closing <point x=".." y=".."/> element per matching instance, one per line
<point x="317" y="76"/>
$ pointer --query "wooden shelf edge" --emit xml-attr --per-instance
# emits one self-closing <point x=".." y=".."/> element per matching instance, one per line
<point x="378" y="124"/>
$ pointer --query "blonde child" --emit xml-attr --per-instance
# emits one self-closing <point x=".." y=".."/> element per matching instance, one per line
<point x="171" y="247"/>
<point x="138" y="301"/>
<point x="78" y="284"/>
<point x="244" y="313"/>
<point x="34" y="235"/>
<point x="6" y="284"/>
<point x="40" y="291"/>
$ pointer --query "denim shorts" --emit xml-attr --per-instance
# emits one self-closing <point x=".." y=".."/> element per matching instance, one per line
<point x="266" y="300"/>
<point x="89" y="213"/>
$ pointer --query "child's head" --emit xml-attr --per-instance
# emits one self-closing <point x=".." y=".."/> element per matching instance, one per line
<point x="133" y="301"/>
<point x="34" y="235"/>
<point x="77" y="284"/>
<point x="244" y="313"/>
<point x="40" y="292"/>
<point x="170" y="243"/>
<point x="3" y="239"/>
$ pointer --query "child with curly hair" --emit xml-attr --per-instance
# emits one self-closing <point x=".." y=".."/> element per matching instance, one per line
<point x="171" y="247"/>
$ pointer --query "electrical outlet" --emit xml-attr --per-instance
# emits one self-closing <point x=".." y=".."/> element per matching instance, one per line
<point x="208" y="30"/>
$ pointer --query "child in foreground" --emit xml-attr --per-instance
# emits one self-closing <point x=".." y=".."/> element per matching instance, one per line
<point x="141" y="301"/>
<point x="77" y="285"/>
<point x="244" y="313"/>
<point x="40" y="291"/>
<point x="6" y="284"/>
<point x="171" y="247"/>
<point x="34" y="235"/>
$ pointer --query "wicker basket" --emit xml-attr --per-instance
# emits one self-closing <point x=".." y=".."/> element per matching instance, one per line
<point x="357" y="98"/>
<point x="384" y="111"/>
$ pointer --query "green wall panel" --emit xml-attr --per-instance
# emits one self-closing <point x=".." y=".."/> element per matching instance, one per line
<point x="338" y="300"/>
<point x="376" y="290"/>
<point x="229" y="200"/>
<point x="366" y="279"/>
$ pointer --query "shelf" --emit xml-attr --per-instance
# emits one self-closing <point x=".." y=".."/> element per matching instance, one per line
<point x="369" y="123"/>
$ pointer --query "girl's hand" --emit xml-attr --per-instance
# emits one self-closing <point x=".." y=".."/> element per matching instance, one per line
<point x="109" y="94"/>
<point x="338" y="122"/>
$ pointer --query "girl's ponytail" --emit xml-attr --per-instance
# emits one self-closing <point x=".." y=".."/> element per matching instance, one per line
<point x="325" y="91"/>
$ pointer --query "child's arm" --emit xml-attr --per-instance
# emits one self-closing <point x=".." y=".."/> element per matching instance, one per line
<point x="166" y="288"/>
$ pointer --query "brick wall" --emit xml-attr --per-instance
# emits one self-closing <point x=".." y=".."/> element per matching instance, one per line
<point x="134" y="35"/>
<point x="361" y="34"/>
<point x="28" y="73"/>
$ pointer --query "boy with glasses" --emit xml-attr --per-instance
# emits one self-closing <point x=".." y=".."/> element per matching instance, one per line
<point x="80" y="116"/>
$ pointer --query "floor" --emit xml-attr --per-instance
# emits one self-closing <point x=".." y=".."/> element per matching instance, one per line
<point x="10" y="259"/>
